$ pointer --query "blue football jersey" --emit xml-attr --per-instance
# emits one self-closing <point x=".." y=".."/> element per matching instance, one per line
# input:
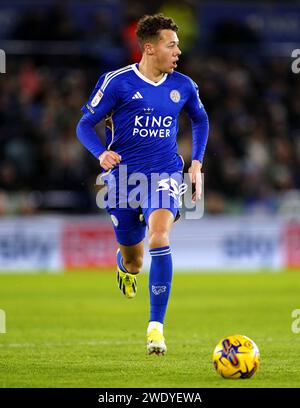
<point x="142" y="117"/>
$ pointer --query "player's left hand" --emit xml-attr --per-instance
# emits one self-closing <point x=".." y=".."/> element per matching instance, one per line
<point x="196" y="180"/>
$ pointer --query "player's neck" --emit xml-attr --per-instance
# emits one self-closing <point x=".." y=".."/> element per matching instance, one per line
<point x="149" y="71"/>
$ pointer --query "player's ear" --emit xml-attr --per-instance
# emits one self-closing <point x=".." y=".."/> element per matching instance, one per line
<point x="148" y="48"/>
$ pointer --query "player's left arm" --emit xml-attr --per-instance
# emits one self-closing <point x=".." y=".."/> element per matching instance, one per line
<point x="200" y="129"/>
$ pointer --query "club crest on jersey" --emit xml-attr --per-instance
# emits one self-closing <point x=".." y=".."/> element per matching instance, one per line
<point x="175" y="96"/>
<point x="97" y="98"/>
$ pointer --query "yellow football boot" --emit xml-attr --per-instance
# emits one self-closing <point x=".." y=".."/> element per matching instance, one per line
<point x="127" y="283"/>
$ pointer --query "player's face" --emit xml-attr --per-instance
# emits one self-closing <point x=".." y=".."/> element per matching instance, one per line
<point x="166" y="51"/>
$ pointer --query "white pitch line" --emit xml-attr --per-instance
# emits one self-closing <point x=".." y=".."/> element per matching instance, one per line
<point x="93" y="343"/>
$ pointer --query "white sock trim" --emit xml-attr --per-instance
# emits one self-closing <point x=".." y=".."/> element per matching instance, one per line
<point x="156" y="325"/>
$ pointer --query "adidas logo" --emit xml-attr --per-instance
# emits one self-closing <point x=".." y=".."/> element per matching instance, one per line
<point x="137" y="95"/>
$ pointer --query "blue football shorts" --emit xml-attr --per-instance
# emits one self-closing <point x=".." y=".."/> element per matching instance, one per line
<point x="130" y="206"/>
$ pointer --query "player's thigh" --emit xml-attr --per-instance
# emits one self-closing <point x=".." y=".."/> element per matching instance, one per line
<point x="160" y="224"/>
<point x="163" y="200"/>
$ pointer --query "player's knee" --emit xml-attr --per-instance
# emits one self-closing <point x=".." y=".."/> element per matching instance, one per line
<point x="158" y="239"/>
<point x="134" y="265"/>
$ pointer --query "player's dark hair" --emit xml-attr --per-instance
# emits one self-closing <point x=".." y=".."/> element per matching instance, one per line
<point x="149" y="27"/>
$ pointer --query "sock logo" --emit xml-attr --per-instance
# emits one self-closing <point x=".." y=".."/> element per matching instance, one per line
<point x="157" y="290"/>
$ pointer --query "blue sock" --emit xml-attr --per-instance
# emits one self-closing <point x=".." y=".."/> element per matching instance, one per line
<point x="120" y="262"/>
<point x="160" y="282"/>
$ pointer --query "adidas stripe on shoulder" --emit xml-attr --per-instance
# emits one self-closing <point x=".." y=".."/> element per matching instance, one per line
<point x="111" y="75"/>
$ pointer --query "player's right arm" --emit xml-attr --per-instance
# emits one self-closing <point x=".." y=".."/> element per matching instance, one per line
<point x="99" y="105"/>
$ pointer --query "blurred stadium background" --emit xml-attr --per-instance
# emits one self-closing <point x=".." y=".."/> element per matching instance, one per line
<point x="67" y="329"/>
<point x="240" y="56"/>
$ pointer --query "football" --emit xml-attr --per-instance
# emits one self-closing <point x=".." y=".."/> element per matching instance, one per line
<point x="236" y="357"/>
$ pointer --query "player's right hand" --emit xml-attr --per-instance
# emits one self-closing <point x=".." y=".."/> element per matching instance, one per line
<point x="109" y="159"/>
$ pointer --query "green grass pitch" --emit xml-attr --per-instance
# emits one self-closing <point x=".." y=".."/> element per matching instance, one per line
<point x="77" y="330"/>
